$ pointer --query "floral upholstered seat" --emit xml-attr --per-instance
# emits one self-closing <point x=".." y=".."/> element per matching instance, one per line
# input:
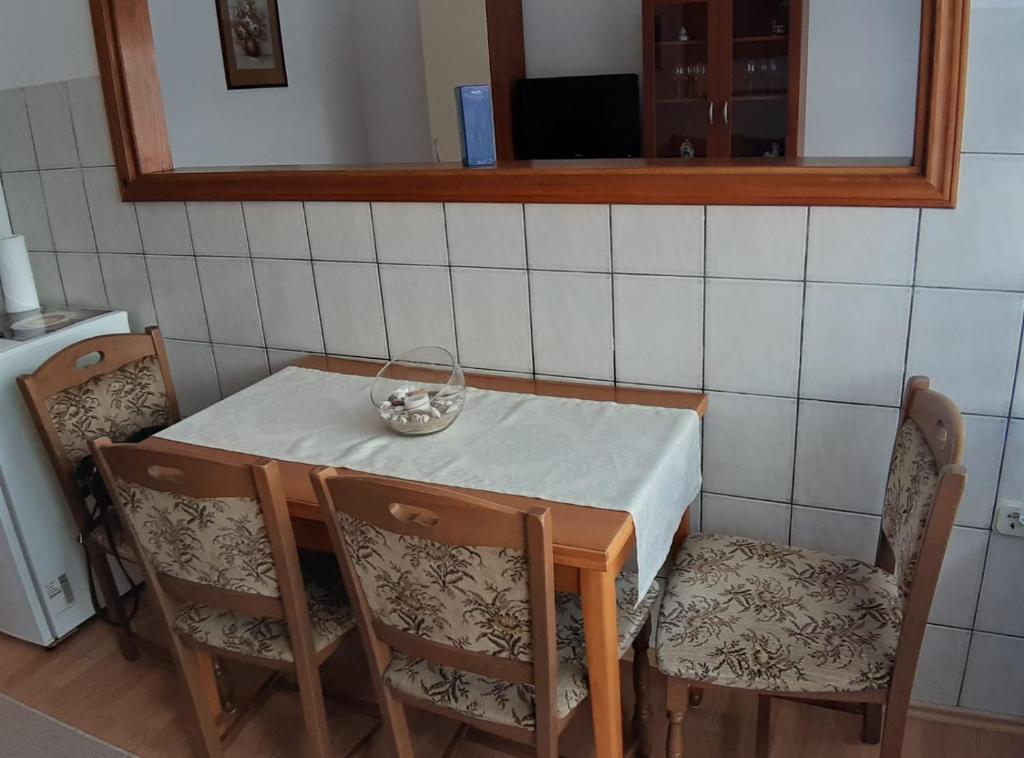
<point x="224" y="543"/>
<point x="116" y="405"/>
<point x="505" y="703"/>
<point x="758" y="615"/>
<point x="329" y="612"/>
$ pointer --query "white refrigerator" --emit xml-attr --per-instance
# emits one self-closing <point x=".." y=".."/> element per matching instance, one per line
<point x="44" y="590"/>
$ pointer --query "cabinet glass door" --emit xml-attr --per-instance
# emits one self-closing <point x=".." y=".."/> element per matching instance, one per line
<point x="683" y="75"/>
<point x="758" y="110"/>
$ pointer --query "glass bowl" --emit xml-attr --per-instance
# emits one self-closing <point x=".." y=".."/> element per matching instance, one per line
<point x="422" y="391"/>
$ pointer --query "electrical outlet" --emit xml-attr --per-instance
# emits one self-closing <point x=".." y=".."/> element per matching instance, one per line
<point x="1010" y="518"/>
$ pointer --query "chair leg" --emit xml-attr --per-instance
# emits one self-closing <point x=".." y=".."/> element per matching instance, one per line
<point x="392" y="713"/>
<point x="100" y="567"/>
<point x="763" y="740"/>
<point x="893" y="729"/>
<point x="641" y="681"/>
<point x="312" y="695"/>
<point x="197" y="669"/>
<point x="677" y="700"/>
<point x="871" y="732"/>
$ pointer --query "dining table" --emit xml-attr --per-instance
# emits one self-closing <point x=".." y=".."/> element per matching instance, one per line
<point x="591" y="545"/>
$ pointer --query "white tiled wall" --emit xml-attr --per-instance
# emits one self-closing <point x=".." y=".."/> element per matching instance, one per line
<point x="801" y="323"/>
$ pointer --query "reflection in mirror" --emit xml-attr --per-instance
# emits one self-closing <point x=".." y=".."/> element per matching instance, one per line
<point x="373" y="82"/>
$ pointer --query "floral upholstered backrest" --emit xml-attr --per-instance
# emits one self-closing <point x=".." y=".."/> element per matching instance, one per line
<point x="116" y="404"/>
<point x="909" y="492"/>
<point x="473" y="598"/>
<point x="221" y="542"/>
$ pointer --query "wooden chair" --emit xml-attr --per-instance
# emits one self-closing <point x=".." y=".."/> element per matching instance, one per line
<point x="783" y="621"/>
<point x="125" y="388"/>
<point x="215" y="541"/>
<point x="455" y="601"/>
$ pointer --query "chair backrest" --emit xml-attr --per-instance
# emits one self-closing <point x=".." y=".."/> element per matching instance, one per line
<point x="922" y="494"/>
<point x="448" y="578"/>
<point x="207" y="532"/>
<point x="109" y="386"/>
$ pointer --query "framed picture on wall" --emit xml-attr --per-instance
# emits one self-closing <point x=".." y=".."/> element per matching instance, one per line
<point x="250" y="38"/>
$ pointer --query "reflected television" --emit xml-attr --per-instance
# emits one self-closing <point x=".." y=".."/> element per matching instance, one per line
<point x="578" y="117"/>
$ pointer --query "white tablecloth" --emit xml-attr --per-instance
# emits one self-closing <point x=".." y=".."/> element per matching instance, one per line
<point x="634" y="458"/>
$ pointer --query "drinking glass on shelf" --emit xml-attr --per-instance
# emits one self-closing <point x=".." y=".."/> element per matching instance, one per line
<point x="765" y="75"/>
<point x="702" y="80"/>
<point x="691" y="80"/>
<point x="679" y="77"/>
<point x="750" y="75"/>
<point x="774" y="82"/>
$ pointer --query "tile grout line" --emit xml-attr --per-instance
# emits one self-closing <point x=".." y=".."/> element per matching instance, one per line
<point x="145" y="266"/>
<point x="910" y="315"/>
<point x="995" y="505"/>
<point x="451" y="280"/>
<point x="312" y="276"/>
<point x="92" y="224"/>
<point x="826" y="508"/>
<point x="799" y="373"/>
<point x="71" y="120"/>
<point x="252" y="273"/>
<point x="646" y="274"/>
<point x="703" y="346"/>
<point x="380" y="281"/>
<point x="906" y="372"/>
<point x="612" y="288"/>
<point x="85" y="195"/>
<point x="529" y="290"/>
<point x="39" y="179"/>
<point x="202" y="297"/>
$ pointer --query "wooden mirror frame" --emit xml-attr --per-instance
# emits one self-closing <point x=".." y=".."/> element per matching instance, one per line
<point x="142" y="154"/>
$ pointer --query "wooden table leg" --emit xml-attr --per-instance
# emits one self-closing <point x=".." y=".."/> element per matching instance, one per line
<point x="601" y="629"/>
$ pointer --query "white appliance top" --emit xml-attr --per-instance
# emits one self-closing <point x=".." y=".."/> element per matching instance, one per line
<point x="30" y="325"/>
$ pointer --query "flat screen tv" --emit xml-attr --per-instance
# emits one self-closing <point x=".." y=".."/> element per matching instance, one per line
<point x="569" y="117"/>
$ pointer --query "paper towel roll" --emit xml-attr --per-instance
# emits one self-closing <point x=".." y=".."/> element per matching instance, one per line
<point x="16" y="278"/>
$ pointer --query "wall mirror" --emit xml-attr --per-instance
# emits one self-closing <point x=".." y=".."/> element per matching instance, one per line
<point x="657" y="101"/>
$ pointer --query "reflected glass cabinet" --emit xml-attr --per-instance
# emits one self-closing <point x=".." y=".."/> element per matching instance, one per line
<point x="722" y="78"/>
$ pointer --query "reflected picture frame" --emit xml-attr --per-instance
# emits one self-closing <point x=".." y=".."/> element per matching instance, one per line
<point x="250" y="41"/>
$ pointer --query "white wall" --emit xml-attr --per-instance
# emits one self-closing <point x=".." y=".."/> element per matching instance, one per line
<point x="44" y="41"/>
<point x="861" y="86"/>
<point x="582" y="37"/>
<point x="390" y="53"/>
<point x="317" y="118"/>
<point x="455" y="52"/>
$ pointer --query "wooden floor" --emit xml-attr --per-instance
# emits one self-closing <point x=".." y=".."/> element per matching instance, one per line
<point x="140" y="707"/>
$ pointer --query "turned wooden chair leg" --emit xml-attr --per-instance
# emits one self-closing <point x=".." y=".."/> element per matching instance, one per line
<point x="893" y="729"/>
<point x="677" y="700"/>
<point x="100" y="567"/>
<point x="871" y="732"/>
<point x="641" y="681"/>
<point x="763" y="740"/>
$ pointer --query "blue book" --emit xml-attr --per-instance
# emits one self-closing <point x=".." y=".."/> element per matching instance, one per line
<point x="476" y="124"/>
